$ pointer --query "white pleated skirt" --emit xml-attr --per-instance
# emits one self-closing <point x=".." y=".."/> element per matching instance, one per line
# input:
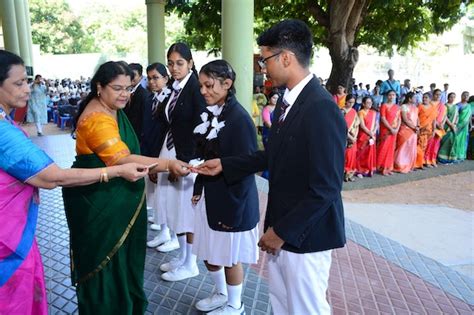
<point x="222" y="248"/>
<point x="173" y="200"/>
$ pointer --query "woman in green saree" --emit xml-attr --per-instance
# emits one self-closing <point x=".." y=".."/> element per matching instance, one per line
<point x="448" y="140"/>
<point x="107" y="220"/>
<point x="457" y="151"/>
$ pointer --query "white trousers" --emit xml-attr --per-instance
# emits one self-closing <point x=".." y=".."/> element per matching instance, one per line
<point x="298" y="283"/>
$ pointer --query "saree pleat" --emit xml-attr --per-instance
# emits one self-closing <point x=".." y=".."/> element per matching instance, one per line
<point x="387" y="140"/>
<point x="350" y="164"/>
<point x="426" y="116"/>
<point x="434" y="143"/>
<point x="366" y="153"/>
<point x="405" y="151"/>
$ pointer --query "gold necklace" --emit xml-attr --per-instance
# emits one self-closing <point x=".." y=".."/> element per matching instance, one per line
<point x="108" y="109"/>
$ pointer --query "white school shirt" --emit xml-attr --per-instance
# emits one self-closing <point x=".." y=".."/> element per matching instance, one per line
<point x="291" y="96"/>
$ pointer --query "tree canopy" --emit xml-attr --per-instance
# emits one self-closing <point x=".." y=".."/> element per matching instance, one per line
<point x="341" y="26"/>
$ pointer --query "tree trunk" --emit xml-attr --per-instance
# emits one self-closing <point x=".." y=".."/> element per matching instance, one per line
<point x="345" y="18"/>
<point x="343" y="65"/>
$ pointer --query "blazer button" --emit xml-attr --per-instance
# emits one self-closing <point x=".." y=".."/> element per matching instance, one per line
<point x="220" y="223"/>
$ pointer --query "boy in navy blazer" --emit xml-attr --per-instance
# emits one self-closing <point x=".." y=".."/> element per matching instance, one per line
<point x="305" y="158"/>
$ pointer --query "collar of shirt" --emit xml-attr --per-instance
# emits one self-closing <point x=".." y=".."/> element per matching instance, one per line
<point x="291" y="96"/>
<point x="178" y="85"/>
<point x="135" y="87"/>
<point x="216" y="110"/>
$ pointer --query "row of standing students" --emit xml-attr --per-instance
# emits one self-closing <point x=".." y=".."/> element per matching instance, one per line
<point x="407" y="137"/>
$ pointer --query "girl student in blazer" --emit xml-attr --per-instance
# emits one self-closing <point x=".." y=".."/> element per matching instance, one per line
<point x="178" y="117"/>
<point x="226" y="231"/>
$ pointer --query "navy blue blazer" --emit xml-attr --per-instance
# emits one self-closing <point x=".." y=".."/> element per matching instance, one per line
<point x="305" y="159"/>
<point x="185" y="117"/>
<point x="231" y="204"/>
<point x="134" y="109"/>
<point x="151" y="130"/>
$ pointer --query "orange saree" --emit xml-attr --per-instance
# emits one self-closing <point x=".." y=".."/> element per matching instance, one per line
<point x="351" y="149"/>
<point x="426" y="118"/>
<point x="387" y="140"/>
<point x="405" y="151"/>
<point x="434" y="143"/>
<point x="365" y="147"/>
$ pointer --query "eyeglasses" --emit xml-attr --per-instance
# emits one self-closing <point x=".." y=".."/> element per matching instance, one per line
<point x="120" y="89"/>
<point x="154" y="78"/>
<point x="262" y="62"/>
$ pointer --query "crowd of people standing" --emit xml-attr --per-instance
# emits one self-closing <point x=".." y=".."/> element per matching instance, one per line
<point x="404" y="133"/>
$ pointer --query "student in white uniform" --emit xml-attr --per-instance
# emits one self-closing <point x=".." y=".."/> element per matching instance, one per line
<point x="151" y="134"/>
<point x="226" y="232"/>
<point x="179" y="117"/>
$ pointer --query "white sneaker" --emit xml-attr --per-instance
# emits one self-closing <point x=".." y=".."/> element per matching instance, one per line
<point x="229" y="310"/>
<point x="151" y="219"/>
<point x="180" y="273"/>
<point x="171" y="265"/>
<point x="159" y="239"/>
<point x="168" y="246"/>
<point x="216" y="300"/>
<point x="155" y="227"/>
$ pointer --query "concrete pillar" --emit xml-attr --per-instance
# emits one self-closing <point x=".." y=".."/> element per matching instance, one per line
<point x="155" y="11"/>
<point x="237" y="45"/>
<point x="26" y="7"/>
<point x="23" y="35"/>
<point x="10" y="31"/>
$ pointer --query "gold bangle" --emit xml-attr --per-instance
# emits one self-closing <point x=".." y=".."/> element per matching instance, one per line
<point x="104" y="177"/>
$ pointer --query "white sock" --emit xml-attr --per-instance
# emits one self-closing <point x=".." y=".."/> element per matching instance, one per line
<point x="164" y="228"/>
<point x="182" y="247"/>
<point x="234" y="298"/>
<point x="39" y="128"/>
<point x="190" y="257"/>
<point x="219" y="280"/>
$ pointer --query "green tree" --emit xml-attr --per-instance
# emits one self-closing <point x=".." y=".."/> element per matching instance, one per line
<point x="56" y="29"/>
<point x="340" y="25"/>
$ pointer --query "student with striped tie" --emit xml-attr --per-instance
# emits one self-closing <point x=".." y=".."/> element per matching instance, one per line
<point x="178" y="118"/>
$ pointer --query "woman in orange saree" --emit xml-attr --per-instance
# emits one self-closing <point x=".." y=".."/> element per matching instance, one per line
<point x="427" y="118"/>
<point x="405" y="151"/>
<point x="434" y="143"/>
<point x="352" y="121"/>
<point x="366" y="139"/>
<point x="389" y="126"/>
<point x="340" y="96"/>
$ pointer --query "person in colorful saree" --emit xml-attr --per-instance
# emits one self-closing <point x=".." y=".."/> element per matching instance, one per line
<point x="427" y="114"/>
<point x="434" y="143"/>
<point x="444" y="153"/>
<point x="459" y="148"/>
<point x="405" y="151"/>
<point x="389" y="126"/>
<point x="366" y="152"/>
<point x="23" y="169"/>
<point x="352" y="121"/>
<point x="107" y="222"/>
<point x="340" y="96"/>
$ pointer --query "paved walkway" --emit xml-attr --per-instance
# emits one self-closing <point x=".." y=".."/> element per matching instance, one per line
<point x="373" y="274"/>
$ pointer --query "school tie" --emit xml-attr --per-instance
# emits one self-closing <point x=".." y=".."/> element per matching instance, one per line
<point x="154" y="104"/>
<point x="284" y="106"/>
<point x="169" y="140"/>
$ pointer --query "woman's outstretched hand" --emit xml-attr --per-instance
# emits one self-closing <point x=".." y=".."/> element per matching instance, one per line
<point x="132" y="171"/>
<point x="209" y="168"/>
<point x="179" y="168"/>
